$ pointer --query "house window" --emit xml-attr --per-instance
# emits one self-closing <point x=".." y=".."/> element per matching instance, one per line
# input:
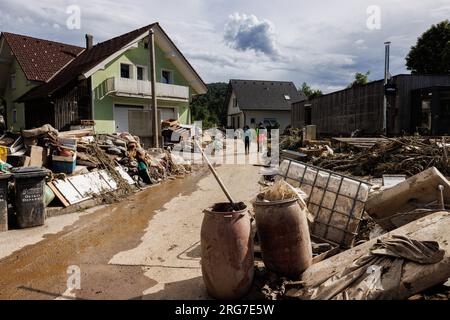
<point x="234" y="102"/>
<point x="125" y="71"/>
<point x="166" y="76"/>
<point x="287" y="97"/>
<point x="13" y="81"/>
<point x="252" y="120"/>
<point x="14" y="115"/>
<point x="141" y="73"/>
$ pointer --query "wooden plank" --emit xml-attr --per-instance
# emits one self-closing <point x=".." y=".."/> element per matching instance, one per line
<point x="415" y="277"/>
<point x="406" y="196"/>
<point x="68" y="190"/>
<point x="58" y="194"/>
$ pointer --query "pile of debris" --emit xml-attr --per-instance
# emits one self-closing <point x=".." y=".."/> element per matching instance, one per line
<point x="292" y="139"/>
<point x="82" y="165"/>
<point x="405" y="155"/>
<point x="383" y="243"/>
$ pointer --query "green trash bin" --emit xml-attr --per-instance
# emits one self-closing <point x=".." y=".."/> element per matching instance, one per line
<point x="4" y="179"/>
<point x="29" y="196"/>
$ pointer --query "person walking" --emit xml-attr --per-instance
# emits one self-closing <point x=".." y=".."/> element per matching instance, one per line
<point x="260" y="136"/>
<point x="247" y="139"/>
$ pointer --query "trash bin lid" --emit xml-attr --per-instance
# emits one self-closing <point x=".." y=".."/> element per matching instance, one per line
<point x="30" y="172"/>
<point x="5" y="176"/>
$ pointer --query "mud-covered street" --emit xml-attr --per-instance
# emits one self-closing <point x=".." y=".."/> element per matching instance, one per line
<point x="145" y="247"/>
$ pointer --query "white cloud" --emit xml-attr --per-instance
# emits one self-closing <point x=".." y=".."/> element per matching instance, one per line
<point x="246" y="32"/>
<point x="322" y="42"/>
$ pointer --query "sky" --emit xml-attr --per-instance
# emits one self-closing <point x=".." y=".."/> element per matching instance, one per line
<point x="322" y="42"/>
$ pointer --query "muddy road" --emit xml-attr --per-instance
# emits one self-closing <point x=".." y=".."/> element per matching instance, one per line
<point x="145" y="247"/>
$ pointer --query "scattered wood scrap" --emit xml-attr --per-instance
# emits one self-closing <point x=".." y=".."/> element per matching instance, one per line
<point x="405" y="155"/>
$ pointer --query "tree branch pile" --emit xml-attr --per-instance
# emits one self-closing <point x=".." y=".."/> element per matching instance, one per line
<point x="405" y="155"/>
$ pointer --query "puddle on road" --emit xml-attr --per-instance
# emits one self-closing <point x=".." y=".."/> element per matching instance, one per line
<point x="40" y="271"/>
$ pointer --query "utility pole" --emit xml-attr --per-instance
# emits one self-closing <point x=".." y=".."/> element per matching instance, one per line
<point x="386" y="78"/>
<point x="151" y="50"/>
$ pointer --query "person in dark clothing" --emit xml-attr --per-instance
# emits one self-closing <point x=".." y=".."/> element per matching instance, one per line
<point x="247" y="139"/>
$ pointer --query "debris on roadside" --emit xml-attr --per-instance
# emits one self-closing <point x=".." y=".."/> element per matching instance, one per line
<point x="82" y="165"/>
<point x="404" y="155"/>
<point x="422" y="194"/>
<point x="376" y="263"/>
<point x="400" y="279"/>
<point x="336" y="201"/>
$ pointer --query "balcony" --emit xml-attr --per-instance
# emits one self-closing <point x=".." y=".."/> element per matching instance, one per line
<point x="143" y="89"/>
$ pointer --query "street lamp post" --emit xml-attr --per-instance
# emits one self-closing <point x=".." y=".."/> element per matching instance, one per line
<point x="386" y="78"/>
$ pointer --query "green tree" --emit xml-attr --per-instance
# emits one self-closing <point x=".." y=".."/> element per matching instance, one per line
<point x="210" y="107"/>
<point x="309" y="92"/>
<point x="360" y="79"/>
<point x="431" y="54"/>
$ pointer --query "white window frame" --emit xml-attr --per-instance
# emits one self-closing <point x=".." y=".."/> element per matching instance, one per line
<point x="171" y="75"/>
<point x="131" y="69"/>
<point x="145" y="72"/>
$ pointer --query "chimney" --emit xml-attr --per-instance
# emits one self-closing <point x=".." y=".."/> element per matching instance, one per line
<point x="89" y="41"/>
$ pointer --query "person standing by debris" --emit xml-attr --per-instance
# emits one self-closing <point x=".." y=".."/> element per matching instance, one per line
<point x="247" y="139"/>
<point x="142" y="167"/>
<point x="260" y="135"/>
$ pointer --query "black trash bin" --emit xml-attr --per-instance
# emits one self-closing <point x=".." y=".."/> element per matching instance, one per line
<point x="4" y="179"/>
<point x="29" y="196"/>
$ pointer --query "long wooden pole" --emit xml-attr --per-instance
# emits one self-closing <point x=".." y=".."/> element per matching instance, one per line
<point x="151" y="49"/>
<point x="214" y="172"/>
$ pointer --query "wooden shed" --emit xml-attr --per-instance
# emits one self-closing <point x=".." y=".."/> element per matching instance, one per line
<point x="361" y="108"/>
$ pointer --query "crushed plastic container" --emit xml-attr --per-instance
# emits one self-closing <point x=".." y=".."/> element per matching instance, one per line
<point x="4" y="179"/>
<point x="29" y="196"/>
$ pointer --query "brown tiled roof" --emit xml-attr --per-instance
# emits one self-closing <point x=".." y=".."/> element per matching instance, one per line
<point x="83" y="63"/>
<point x="40" y="59"/>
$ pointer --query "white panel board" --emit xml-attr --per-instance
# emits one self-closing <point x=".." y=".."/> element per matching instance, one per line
<point x="68" y="191"/>
<point x="125" y="175"/>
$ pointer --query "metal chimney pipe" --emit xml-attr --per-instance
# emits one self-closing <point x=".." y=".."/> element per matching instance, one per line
<point x="89" y="41"/>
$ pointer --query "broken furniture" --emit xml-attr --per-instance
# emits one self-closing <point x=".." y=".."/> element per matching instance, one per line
<point x="415" y="277"/>
<point x="336" y="201"/>
<point x="396" y="206"/>
<point x="359" y="143"/>
<point x="76" y="189"/>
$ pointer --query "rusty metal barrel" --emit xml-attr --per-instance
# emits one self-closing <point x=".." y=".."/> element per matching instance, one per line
<point x="227" y="251"/>
<point x="283" y="232"/>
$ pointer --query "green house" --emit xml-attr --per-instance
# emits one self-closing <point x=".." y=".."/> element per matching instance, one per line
<point x="44" y="82"/>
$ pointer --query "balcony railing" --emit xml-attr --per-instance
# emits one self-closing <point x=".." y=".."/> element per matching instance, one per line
<point x="142" y="88"/>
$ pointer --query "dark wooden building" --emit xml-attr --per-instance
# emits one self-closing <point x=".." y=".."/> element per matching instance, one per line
<point x="421" y="104"/>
